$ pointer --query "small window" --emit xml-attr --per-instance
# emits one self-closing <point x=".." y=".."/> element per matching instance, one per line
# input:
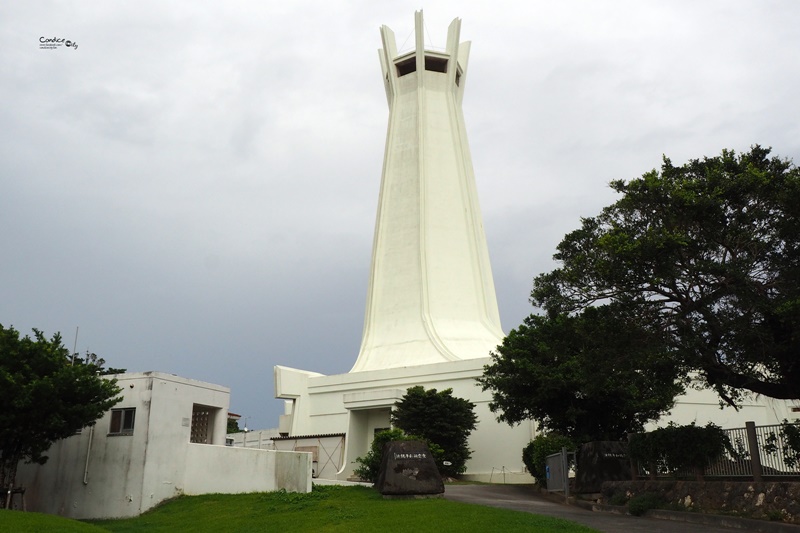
<point x="122" y="421"/>
<point x="435" y="64"/>
<point x="407" y="66"/>
<point x="458" y="76"/>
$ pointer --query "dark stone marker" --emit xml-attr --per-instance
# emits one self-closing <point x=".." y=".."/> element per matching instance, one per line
<point x="601" y="461"/>
<point x="408" y="469"/>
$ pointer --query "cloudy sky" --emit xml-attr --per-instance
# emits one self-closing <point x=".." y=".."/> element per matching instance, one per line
<point x="194" y="185"/>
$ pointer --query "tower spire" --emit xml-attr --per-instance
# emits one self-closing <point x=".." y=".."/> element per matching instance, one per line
<point x="431" y="295"/>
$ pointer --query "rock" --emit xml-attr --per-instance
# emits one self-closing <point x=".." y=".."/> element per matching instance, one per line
<point x="408" y="469"/>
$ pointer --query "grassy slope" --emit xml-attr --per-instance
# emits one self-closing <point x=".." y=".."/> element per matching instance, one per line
<point x="19" y="522"/>
<point x="330" y="509"/>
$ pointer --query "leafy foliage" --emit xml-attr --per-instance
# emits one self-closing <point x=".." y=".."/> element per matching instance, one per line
<point x="596" y="375"/>
<point x="673" y="449"/>
<point x="641" y="503"/>
<point x="441" y="419"/>
<point x="46" y="396"/>
<point x="233" y="426"/>
<point x="711" y="249"/>
<point x="786" y="442"/>
<point x="534" y="455"/>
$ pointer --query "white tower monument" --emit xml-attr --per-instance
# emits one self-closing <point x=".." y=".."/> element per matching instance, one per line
<point x="431" y="296"/>
<point x="431" y="316"/>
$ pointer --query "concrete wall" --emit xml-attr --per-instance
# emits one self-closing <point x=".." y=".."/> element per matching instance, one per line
<point x="327" y="452"/>
<point x="260" y="439"/>
<point x="99" y="475"/>
<point x="702" y="406"/>
<point x="229" y="470"/>
<point x="357" y="403"/>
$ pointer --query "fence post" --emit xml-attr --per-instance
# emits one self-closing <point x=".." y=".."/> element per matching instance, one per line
<point x="634" y="464"/>
<point x="755" y="453"/>
<point x="565" y="474"/>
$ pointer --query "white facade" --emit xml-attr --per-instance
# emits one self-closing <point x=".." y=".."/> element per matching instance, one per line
<point x="359" y="404"/>
<point x="165" y="438"/>
<point x="431" y="315"/>
<point x="431" y="296"/>
<point x="702" y="406"/>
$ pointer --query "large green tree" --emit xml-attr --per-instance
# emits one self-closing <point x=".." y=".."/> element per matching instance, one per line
<point x="46" y="394"/>
<point x="443" y="419"/>
<point x="595" y="375"/>
<point x="711" y="249"/>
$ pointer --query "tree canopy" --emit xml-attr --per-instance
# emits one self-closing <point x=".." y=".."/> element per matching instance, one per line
<point x="441" y="418"/>
<point x="711" y="250"/>
<point x="46" y="395"/>
<point x="596" y="375"/>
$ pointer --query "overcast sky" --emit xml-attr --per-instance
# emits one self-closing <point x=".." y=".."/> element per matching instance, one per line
<point x="195" y="184"/>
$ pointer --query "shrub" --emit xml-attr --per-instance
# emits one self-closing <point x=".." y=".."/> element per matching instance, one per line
<point x="642" y="503"/>
<point x="618" y="498"/>
<point x="675" y="448"/>
<point x="534" y="455"/>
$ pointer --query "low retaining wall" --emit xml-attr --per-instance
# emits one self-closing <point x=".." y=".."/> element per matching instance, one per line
<point x="779" y="501"/>
<point x="229" y="470"/>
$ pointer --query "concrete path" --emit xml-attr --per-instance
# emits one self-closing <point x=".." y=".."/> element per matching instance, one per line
<point x="525" y="498"/>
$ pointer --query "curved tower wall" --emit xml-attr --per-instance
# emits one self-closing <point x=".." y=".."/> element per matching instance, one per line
<point x="431" y="295"/>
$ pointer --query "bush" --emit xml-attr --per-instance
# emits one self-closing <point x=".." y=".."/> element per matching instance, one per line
<point x="673" y="449"/>
<point x="534" y="455"/>
<point x="642" y="503"/>
<point x="618" y="498"/>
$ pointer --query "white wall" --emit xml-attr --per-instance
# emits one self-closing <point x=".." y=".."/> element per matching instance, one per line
<point x="343" y="404"/>
<point x="322" y="408"/>
<point x="229" y="470"/>
<point x="129" y="474"/>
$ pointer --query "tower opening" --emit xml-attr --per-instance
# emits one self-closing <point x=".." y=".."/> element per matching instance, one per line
<point x="436" y="64"/>
<point x="406" y="66"/>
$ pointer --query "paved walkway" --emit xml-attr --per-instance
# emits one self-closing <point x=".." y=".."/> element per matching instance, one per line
<point x="525" y="498"/>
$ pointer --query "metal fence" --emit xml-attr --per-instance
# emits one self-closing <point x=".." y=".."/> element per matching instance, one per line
<point x="755" y="452"/>
<point x="777" y="456"/>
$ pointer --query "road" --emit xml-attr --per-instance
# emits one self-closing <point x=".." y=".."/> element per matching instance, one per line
<point x="525" y="498"/>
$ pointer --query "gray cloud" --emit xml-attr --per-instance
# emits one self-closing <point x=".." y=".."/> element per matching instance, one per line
<point x="195" y="186"/>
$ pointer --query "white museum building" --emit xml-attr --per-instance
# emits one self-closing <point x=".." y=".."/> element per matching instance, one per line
<point x="164" y="439"/>
<point x="431" y="313"/>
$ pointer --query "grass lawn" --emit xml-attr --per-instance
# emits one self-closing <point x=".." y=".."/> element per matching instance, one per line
<point x="326" y="509"/>
<point x="19" y="522"/>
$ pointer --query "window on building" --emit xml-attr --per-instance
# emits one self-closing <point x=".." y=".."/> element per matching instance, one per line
<point x="122" y="421"/>
<point x="407" y="66"/>
<point x="435" y="64"/>
<point x="204" y="418"/>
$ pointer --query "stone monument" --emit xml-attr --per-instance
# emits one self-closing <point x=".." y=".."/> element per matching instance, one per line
<point x="408" y="470"/>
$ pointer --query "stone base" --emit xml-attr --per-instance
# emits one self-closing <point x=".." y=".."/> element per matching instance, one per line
<point x="411" y="496"/>
<point x="775" y="501"/>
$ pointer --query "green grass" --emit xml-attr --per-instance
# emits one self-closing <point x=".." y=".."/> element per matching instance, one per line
<point x="19" y="522"/>
<point x="328" y="509"/>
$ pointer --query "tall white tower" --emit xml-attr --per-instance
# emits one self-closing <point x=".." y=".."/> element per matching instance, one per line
<point x="431" y="296"/>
